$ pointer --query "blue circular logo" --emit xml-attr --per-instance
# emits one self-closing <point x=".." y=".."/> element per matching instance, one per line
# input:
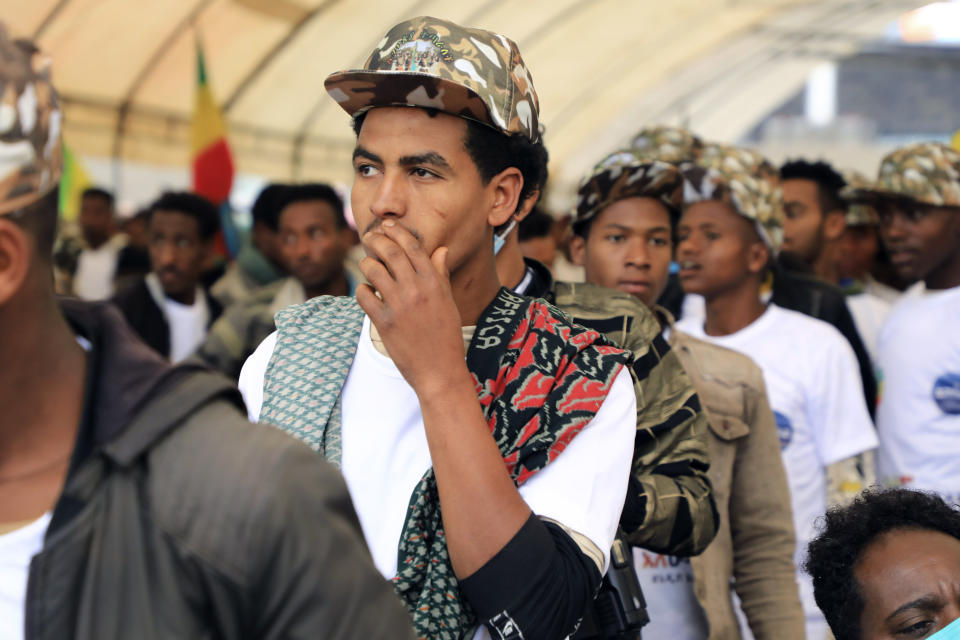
<point x="946" y="393"/>
<point x="784" y="429"/>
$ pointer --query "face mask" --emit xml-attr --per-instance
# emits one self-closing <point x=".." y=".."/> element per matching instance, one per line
<point x="501" y="239"/>
<point x="949" y="632"/>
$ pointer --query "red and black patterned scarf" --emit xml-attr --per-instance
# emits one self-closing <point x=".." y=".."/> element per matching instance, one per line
<point x="540" y="380"/>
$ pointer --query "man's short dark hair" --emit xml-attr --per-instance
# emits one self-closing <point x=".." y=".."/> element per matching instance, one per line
<point x="189" y="204"/>
<point x="537" y="224"/>
<point x="40" y="219"/>
<point x="309" y="192"/>
<point x="829" y="182"/>
<point x="98" y="192"/>
<point x="845" y="534"/>
<point x="492" y="152"/>
<point x="266" y="208"/>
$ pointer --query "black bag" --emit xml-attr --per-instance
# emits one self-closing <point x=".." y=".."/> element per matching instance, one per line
<point x="619" y="610"/>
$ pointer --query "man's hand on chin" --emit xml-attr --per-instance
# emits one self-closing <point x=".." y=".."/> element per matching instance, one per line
<point x="415" y="312"/>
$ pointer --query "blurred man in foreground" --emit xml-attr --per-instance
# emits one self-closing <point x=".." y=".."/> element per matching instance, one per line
<point x="135" y="501"/>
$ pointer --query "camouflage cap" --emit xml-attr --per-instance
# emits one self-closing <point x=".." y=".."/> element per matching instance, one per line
<point x="30" y="162"/>
<point x="625" y="174"/>
<point x="928" y="173"/>
<point x="859" y="213"/>
<point x="428" y="62"/>
<point x="667" y="144"/>
<point x="745" y="180"/>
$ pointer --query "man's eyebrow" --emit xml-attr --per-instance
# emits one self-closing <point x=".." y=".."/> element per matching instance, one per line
<point x="926" y="602"/>
<point x="427" y="157"/>
<point x="360" y="152"/>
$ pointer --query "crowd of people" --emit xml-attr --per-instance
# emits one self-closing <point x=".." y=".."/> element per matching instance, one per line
<point x="452" y="414"/>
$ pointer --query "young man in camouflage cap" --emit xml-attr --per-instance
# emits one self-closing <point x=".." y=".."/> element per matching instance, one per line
<point x="627" y="208"/>
<point x="785" y="286"/>
<point x="669" y="507"/>
<point x="917" y="196"/>
<point x="728" y="235"/>
<point x="476" y="479"/>
<point x="135" y="500"/>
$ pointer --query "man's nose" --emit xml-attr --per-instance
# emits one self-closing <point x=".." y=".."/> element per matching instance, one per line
<point x="390" y="199"/>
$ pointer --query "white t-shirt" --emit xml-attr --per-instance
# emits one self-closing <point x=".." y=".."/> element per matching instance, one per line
<point x="869" y="312"/>
<point x="667" y="583"/>
<point x="813" y="381"/>
<point x="188" y="326"/>
<point x="385" y="453"/>
<point x="918" y="416"/>
<point x="96" y="269"/>
<point x="17" y="549"/>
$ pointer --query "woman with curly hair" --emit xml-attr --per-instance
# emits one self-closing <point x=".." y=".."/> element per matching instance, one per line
<point x="887" y="566"/>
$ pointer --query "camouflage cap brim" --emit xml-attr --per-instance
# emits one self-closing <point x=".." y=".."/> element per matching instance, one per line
<point x="357" y="91"/>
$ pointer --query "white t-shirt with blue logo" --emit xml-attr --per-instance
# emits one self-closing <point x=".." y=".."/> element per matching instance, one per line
<point x="918" y="416"/>
<point x="813" y="381"/>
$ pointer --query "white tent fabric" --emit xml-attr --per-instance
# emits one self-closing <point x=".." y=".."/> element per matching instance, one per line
<point x="603" y="68"/>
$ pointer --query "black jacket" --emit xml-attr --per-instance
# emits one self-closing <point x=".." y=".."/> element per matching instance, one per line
<point x="147" y="319"/>
<point x="180" y="519"/>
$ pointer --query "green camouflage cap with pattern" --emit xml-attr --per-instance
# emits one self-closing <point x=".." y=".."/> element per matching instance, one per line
<point x="743" y="179"/>
<point x="428" y="62"/>
<point x="859" y="213"/>
<point x="30" y="161"/>
<point x="625" y="174"/>
<point x="667" y="144"/>
<point x="927" y="173"/>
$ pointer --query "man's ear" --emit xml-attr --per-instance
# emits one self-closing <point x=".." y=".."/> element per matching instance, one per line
<point x="833" y="224"/>
<point x="16" y="251"/>
<point x="758" y="257"/>
<point x="504" y="189"/>
<point x="578" y="250"/>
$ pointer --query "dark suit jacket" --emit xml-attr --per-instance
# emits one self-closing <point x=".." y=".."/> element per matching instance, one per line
<point x="147" y="319"/>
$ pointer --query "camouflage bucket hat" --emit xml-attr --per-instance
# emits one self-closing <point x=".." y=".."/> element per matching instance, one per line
<point x="928" y="173"/>
<point x="667" y="144"/>
<point x="859" y="213"/>
<point x="30" y="161"/>
<point x="624" y="174"/>
<point x="743" y="179"/>
<point x="428" y="62"/>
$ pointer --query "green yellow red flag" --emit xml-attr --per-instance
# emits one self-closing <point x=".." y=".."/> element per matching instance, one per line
<point x="73" y="181"/>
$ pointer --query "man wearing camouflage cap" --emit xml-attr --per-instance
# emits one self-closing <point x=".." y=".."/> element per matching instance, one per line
<point x="626" y="210"/>
<point x="917" y="196"/>
<point x="467" y="420"/>
<point x="669" y="506"/>
<point x="135" y="500"/>
<point x="728" y="235"/>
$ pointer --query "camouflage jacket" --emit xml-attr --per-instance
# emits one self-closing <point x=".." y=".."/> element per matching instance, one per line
<point x="669" y="506"/>
<point x="242" y="327"/>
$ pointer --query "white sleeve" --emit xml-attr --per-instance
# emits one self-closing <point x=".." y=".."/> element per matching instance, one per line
<point x="584" y="488"/>
<point x="252" y="375"/>
<point x="838" y="415"/>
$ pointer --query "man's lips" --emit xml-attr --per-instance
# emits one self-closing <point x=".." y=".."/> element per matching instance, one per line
<point x="687" y="269"/>
<point x="902" y="256"/>
<point x="633" y="286"/>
